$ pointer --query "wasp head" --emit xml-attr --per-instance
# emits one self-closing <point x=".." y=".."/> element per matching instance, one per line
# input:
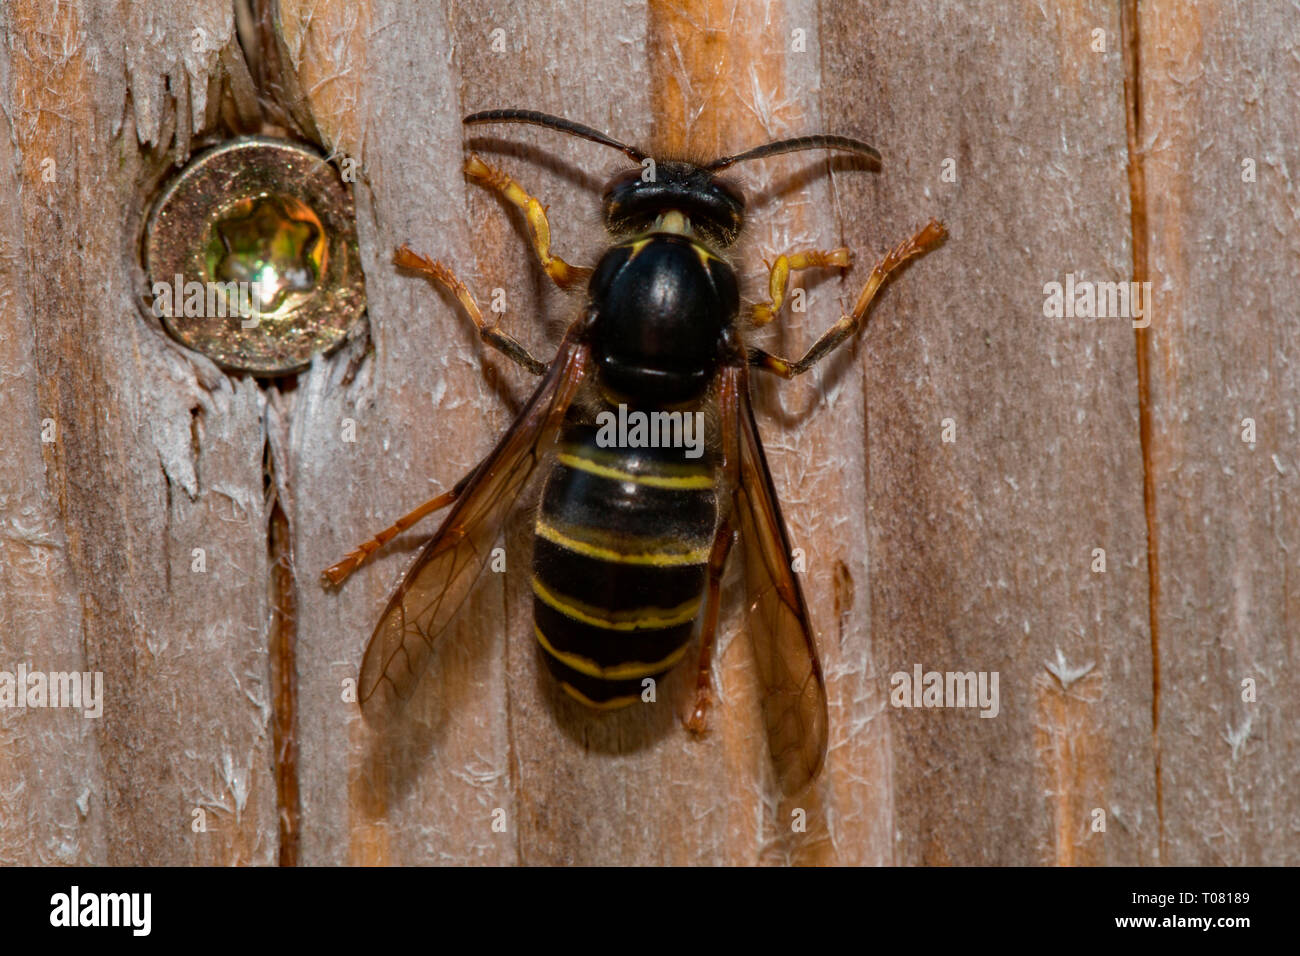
<point x="644" y="199"/>
<point x="675" y="196"/>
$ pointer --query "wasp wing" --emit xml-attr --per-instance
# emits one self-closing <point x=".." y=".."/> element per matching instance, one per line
<point x="794" y="693"/>
<point x="440" y="579"/>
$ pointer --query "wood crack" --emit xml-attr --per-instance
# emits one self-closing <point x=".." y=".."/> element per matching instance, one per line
<point x="1142" y="343"/>
<point x="284" y="677"/>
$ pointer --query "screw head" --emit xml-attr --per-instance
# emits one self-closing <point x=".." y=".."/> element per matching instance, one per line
<point x="251" y="254"/>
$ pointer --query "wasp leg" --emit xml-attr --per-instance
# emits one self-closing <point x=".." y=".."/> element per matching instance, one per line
<point x="848" y="325"/>
<point x="490" y="334"/>
<point x="765" y="312"/>
<point x="338" y="572"/>
<point x="722" y="543"/>
<point x="561" y="273"/>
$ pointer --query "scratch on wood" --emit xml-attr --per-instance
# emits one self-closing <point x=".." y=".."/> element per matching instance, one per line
<point x="1065" y="672"/>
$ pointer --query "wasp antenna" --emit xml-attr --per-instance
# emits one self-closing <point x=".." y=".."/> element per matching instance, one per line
<point x="533" y="118"/>
<point x="819" y="141"/>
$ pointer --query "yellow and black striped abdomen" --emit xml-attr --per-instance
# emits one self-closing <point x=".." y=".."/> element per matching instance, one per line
<point x="620" y="553"/>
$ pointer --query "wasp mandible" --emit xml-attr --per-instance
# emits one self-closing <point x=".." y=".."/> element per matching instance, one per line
<point x="631" y="538"/>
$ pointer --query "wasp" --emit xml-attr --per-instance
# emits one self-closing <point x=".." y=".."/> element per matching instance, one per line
<point x="632" y="536"/>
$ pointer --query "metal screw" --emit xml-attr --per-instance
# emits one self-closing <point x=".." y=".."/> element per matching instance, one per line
<point x="251" y="254"/>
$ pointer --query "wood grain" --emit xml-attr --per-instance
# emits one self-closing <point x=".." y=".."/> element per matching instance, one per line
<point x="981" y="548"/>
<point x="1220" y="89"/>
<point x="973" y="554"/>
<point x="156" y="454"/>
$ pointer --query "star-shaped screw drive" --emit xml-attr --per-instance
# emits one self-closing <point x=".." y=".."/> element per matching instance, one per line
<point x="266" y="243"/>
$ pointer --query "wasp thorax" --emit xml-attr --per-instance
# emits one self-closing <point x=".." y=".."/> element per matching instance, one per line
<point x="662" y="302"/>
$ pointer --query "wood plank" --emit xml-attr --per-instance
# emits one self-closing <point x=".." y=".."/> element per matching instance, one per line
<point x="980" y="549"/>
<point x="1219" y="87"/>
<point x="390" y="101"/>
<point x="747" y="81"/>
<point x="156" y="454"/>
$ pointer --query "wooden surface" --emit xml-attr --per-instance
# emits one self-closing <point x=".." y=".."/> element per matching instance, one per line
<point x="968" y="555"/>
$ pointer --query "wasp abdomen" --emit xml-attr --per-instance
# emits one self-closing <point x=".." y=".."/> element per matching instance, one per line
<point x="620" y="552"/>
